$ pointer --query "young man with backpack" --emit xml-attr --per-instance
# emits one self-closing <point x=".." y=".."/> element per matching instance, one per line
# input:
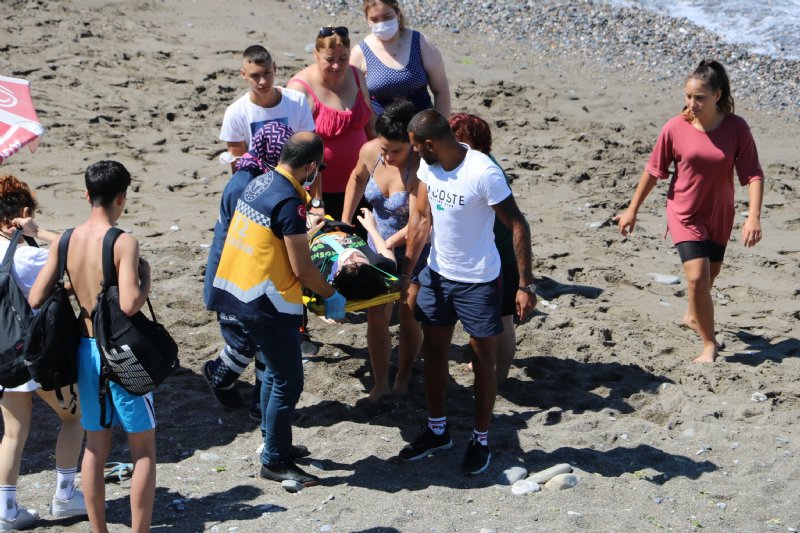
<point x="106" y="189"/>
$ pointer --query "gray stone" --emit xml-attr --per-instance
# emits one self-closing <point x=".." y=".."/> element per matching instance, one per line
<point x="509" y="476"/>
<point x="546" y="475"/>
<point x="562" y="482"/>
<point x="722" y="505"/>
<point x="524" y="486"/>
<point x="290" y="485"/>
<point x="758" y="397"/>
<point x="210" y="457"/>
<point x="666" y="279"/>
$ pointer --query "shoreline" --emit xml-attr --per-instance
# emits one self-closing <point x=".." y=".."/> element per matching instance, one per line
<point x="637" y="43"/>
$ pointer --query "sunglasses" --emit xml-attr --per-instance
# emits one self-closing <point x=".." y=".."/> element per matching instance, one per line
<point x="327" y="31"/>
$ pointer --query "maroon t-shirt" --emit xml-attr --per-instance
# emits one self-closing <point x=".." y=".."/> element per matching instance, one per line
<point x="700" y="198"/>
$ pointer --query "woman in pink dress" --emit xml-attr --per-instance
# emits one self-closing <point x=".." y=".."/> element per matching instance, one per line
<point x="339" y="100"/>
<point x="704" y="144"/>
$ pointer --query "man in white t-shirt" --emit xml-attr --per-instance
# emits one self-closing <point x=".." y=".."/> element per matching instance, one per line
<point x="263" y="103"/>
<point x="460" y="191"/>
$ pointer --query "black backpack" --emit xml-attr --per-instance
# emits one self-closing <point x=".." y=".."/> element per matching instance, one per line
<point x="15" y="317"/>
<point x="51" y="344"/>
<point x="135" y="352"/>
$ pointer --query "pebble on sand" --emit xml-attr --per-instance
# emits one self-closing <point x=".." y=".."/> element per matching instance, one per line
<point x="758" y="397"/>
<point x="546" y="475"/>
<point x="509" y="476"/>
<point x="562" y="482"/>
<point x="290" y="485"/>
<point x="524" y="486"/>
<point x="666" y="279"/>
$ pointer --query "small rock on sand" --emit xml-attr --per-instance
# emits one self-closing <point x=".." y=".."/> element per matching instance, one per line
<point x="758" y="397"/>
<point x="546" y="475"/>
<point x="290" y="485"/>
<point x="666" y="279"/>
<point x="524" y="486"/>
<point x="509" y="476"/>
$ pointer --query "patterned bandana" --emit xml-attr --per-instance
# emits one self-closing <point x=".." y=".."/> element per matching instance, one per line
<point x="266" y="146"/>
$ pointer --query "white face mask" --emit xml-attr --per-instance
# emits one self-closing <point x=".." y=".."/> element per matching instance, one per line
<point x="385" y="30"/>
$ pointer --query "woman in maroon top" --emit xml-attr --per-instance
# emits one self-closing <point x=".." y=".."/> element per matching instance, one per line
<point x="704" y="144"/>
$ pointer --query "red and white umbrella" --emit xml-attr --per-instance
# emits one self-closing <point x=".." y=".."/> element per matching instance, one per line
<point x="19" y="125"/>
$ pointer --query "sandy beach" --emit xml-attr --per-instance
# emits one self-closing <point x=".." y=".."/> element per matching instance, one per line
<point x="603" y="378"/>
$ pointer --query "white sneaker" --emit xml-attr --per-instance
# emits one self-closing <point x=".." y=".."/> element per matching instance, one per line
<point x="75" y="506"/>
<point x="24" y="520"/>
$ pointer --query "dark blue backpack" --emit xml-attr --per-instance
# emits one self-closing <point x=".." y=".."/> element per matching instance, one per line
<point x="15" y="317"/>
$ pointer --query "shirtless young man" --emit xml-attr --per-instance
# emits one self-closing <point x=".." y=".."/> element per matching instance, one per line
<point x="106" y="189"/>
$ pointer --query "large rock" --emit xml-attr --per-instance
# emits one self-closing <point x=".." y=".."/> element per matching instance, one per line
<point x="562" y="482"/>
<point x="546" y="475"/>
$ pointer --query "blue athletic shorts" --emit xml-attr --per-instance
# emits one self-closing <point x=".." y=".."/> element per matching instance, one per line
<point x="133" y="413"/>
<point x="442" y="302"/>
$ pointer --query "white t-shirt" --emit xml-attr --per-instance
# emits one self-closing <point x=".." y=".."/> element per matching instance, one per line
<point x="28" y="262"/>
<point x="461" y="200"/>
<point x="243" y="118"/>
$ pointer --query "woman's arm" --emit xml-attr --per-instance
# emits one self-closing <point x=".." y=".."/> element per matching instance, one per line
<point x="627" y="221"/>
<point x="368" y="221"/>
<point x="751" y="230"/>
<point x="437" y="78"/>
<point x="357" y="183"/>
<point x="43" y="286"/>
<point x="357" y="59"/>
<point x="31" y="229"/>
<point x="370" y="127"/>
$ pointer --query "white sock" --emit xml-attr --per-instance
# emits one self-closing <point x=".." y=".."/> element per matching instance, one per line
<point x="65" y="483"/>
<point x="437" y="425"/>
<point x="8" y="502"/>
<point x="481" y="436"/>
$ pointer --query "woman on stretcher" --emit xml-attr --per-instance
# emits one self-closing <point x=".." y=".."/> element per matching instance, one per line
<point x="347" y="261"/>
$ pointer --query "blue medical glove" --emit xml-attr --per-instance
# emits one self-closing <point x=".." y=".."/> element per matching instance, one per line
<point x="334" y="306"/>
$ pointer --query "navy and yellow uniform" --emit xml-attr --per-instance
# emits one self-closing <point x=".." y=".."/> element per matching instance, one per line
<point x="254" y="279"/>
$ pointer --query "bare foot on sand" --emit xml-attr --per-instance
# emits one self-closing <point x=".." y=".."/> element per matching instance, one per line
<point x="691" y="323"/>
<point x="709" y="354"/>
<point x="376" y="394"/>
<point x="401" y="387"/>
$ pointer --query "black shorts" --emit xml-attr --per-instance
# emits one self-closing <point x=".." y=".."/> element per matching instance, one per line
<point x="510" y="276"/>
<point x="688" y="250"/>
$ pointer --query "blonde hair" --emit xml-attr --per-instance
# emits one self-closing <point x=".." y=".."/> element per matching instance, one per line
<point x="401" y="20"/>
<point x="332" y="41"/>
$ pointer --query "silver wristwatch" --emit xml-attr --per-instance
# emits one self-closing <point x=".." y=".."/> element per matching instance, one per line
<point x="530" y="289"/>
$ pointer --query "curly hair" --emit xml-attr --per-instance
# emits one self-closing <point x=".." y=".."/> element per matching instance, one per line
<point x="393" y="123"/>
<point x="15" y="195"/>
<point x="472" y="130"/>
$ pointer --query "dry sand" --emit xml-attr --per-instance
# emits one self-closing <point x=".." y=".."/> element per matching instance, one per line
<point x="602" y="380"/>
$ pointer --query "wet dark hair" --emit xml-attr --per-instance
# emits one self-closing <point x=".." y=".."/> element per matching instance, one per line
<point x="257" y="54"/>
<point x="429" y="125"/>
<point x="392" y="125"/>
<point x="301" y="149"/>
<point x="359" y="281"/>
<point x="472" y="130"/>
<point x="15" y="195"/>
<point x="105" y="180"/>
<point x="712" y="74"/>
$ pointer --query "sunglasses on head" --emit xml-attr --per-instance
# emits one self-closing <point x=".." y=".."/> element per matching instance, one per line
<point x="327" y="31"/>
